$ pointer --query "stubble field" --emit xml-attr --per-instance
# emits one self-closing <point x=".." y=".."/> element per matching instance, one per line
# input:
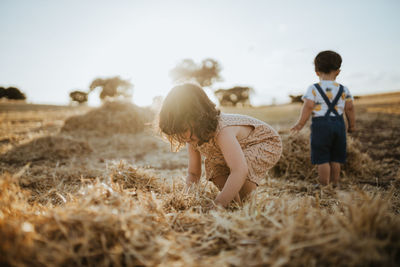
<point x="97" y="187"/>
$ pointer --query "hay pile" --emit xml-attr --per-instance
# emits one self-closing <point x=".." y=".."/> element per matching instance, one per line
<point x="110" y="118"/>
<point x="296" y="163"/>
<point x="48" y="148"/>
<point x="134" y="218"/>
<point x="87" y="211"/>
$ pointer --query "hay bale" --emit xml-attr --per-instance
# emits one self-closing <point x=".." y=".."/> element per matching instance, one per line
<point x="124" y="223"/>
<point x="48" y="148"/>
<point x="295" y="162"/>
<point x="110" y="118"/>
<point x="359" y="164"/>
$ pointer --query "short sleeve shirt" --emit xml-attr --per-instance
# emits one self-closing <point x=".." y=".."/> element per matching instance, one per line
<point x="330" y="88"/>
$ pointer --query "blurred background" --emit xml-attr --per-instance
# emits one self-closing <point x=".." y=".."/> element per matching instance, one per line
<point x="50" y="49"/>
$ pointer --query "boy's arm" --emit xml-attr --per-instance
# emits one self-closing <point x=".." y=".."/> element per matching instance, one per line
<point x="194" y="166"/>
<point x="350" y="115"/>
<point x="234" y="157"/>
<point x="306" y="111"/>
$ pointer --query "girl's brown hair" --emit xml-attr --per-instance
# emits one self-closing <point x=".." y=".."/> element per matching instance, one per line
<point x="187" y="107"/>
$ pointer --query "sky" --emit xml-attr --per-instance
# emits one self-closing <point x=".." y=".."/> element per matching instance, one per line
<point x="50" y="48"/>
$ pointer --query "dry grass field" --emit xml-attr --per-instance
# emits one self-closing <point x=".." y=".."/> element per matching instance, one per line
<point x="97" y="187"/>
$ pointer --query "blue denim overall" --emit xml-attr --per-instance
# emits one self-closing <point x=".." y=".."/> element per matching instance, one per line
<point x="328" y="133"/>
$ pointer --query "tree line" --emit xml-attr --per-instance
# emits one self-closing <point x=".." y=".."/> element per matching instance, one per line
<point x="205" y="73"/>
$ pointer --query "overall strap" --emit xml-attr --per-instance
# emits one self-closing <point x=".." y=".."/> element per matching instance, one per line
<point x="336" y="100"/>
<point x="331" y="105"/>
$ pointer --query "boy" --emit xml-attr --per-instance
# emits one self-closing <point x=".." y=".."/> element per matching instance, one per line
<point x="327" y="101"/>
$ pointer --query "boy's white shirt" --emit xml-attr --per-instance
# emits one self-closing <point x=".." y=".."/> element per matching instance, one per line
<point x="330" y="88"/>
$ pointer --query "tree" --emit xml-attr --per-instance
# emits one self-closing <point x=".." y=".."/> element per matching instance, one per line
<point x="2" y="92"/>
<point x="233" y="96"/>
<point x="112" y="87"/>
<point x="12" y="93"/>
<point x="205" y="73"/>
<point x="296" y="98"/>
<point x="79" y="96"/>
<point x="157" y="103"/>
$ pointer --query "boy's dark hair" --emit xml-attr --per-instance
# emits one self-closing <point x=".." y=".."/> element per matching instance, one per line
<point x="187" y="107"/>
<point x="327" y="61"/>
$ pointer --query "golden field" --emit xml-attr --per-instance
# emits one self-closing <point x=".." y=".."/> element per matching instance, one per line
<point x="98" y="187"/>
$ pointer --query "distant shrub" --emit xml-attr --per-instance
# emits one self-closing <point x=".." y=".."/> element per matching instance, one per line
<point x="296" y="98"/>
<point x="12" y="93"/>
<point x="113" y="87"/>
<point x="79" y="96"/>
<point x="234" y="96"/>
<point x="205" y="73"/>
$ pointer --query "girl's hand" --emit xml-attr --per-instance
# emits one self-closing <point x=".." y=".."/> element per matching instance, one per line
<point x="187" y="189"/>
<point x="190" y="181"/>
<point x="213" y="205"/>
<point x="210" y="206"/>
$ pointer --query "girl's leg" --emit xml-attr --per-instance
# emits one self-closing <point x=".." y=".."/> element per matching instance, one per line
<point x="335" y="172"/>
<point x="246" y="189"/>
<point x="324" y="172"/>
<point x="220" y="181"/>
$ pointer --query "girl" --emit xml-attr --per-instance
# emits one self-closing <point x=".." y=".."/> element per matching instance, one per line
<point x="238" y="149"/>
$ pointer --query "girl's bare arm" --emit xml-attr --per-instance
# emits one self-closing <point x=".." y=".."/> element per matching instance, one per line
<point x="237" y="163"/>
<point x="194" y="166"/>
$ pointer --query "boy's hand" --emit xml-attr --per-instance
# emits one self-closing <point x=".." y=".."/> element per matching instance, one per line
<point x="351" y="129"/>
<point x="296" y="128"/>
<point x="306" y="112"/>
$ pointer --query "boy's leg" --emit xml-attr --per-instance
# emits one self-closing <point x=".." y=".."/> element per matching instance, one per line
<point x="324" y="173"/>
<point x="321" y="142"/>
<point x="338" y="153"/>
<point x="220" y="181"/>
<point x="335" y="172"/>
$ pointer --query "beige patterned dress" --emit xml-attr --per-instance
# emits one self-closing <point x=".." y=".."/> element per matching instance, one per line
<point x="262" y="148"/>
